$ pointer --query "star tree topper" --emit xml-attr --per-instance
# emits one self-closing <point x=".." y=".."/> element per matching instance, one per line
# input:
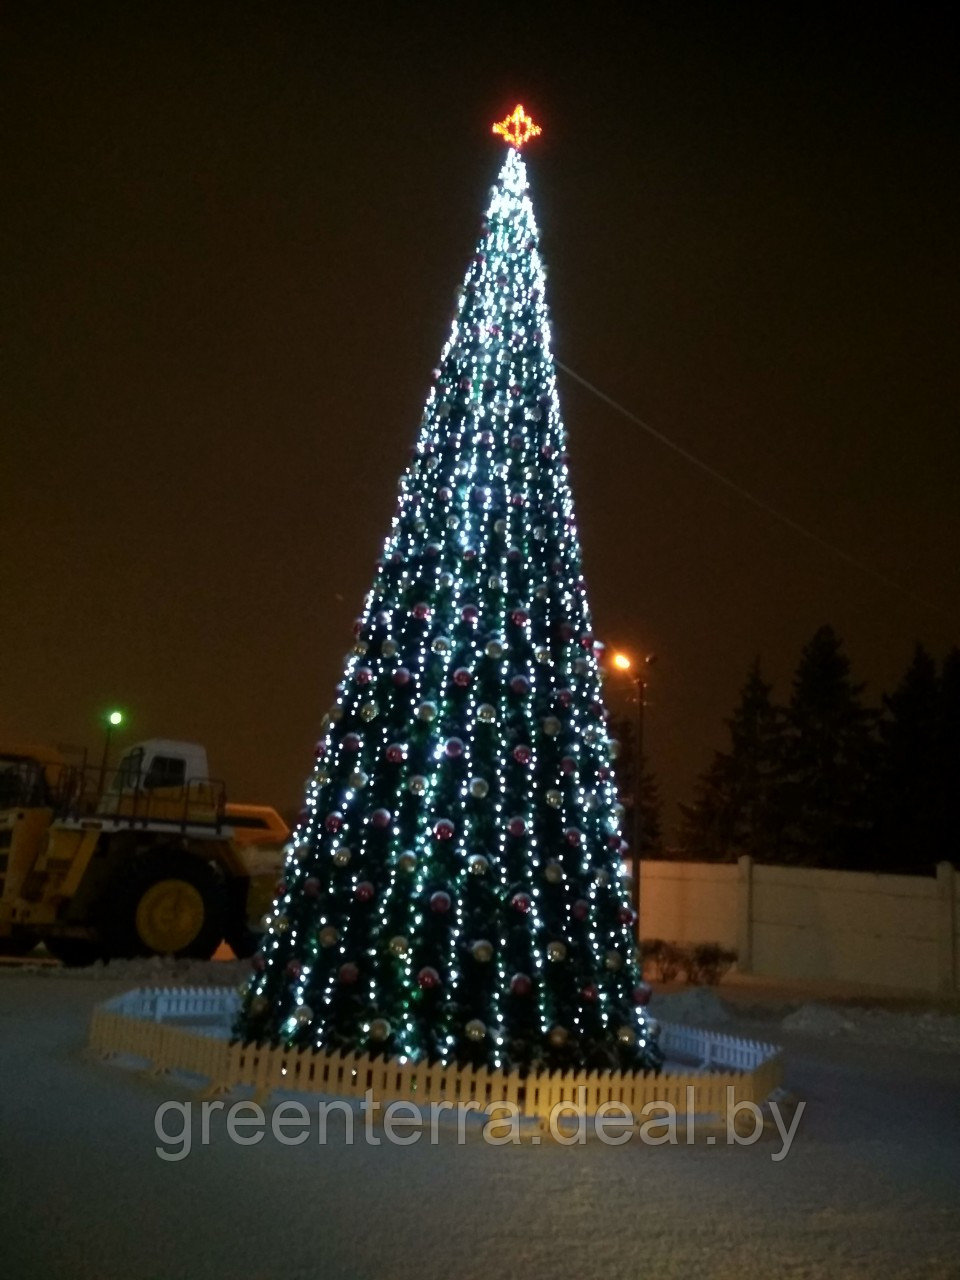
<point x="517" y="128"/>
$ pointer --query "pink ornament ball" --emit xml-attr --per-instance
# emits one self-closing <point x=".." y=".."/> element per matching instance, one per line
<point x="333" y="822"/>
<point x="517" y="827"/>
<point x="396" y="752"/>
<point x="516" y="442"/>
<point x="520" y="984"/>
<point x="469" y="613"/>
<point x="364" y="675"/>
<point x="364" y="891"/>
<point x="401" y="676"/>
<point x="568" y="765"/>
<point x="444" y="829"/>
<point x="519" y="617"/>
<point x="626" y="914"/>
<point x="589" y="993"/>
<point x="294" y="969"/>
<point x="462" y="677"/>
<point x="521" y="902"/>
<point x="573" y="836"/>
<point x="258" y="962"/>
<point x="311" y="887"/>
<point x="421" y="611"/>
<point x="348" y="973"/>
<point x="428" y="979"/>
<point x="580" y="909"/>
<point x="381" y="818"/>
<point x="522" y="754"/>
<point x="564" y="697"/>
<point x="454" y="748"/>
<point x="351" y="742"/>
<point x="440" y="902"/>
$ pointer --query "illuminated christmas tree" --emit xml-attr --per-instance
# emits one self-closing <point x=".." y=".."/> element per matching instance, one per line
<point x="455" y="889"/>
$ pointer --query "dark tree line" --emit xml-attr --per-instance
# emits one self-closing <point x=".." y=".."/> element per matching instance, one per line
<point x="829" y="781"/>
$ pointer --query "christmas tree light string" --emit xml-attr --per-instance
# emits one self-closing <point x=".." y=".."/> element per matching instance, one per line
<point x="455" y="888"/>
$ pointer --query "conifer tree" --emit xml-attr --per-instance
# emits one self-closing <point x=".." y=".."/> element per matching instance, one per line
<point x="828" y="760"/>
<point x="735" y="810"/>
<point x="454" y="889"/>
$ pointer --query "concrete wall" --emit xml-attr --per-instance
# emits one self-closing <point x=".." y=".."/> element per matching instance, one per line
<point x="846" y="926"/>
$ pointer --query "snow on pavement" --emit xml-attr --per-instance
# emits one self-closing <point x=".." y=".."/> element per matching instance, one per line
<point x="868" y="1189"/>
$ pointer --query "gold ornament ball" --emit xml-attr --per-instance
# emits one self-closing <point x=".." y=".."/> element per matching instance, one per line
<point x="427" y="711"/>
<point x="388" y="648"/>
<point x="303" y="1015"/>
<point x="613" y="961"/>
<point x="407" y="862"/>
<point x="329" y="936"/>
<point x="441" y="645"/>
<point x="493" y="649"/>
<point x="399" y="945"/>
<point x="500" y="527"/>
<point x="446" y="581"/>
<point x="556" y="951"/>
<point x="482" y="950"/>
<point x="368" y="711"/>
<point x="613" y="748"/>
<point x="379" y="1029"/>
<point x="259" y="1005"/>
<point x="495" y="582"/>
<point x="417" y="784"/>
<point x="479" y="787"/>
<point x="341" y="857"/>
<point x="360" y="648"/>
<point x="478" y="865"/>
<point x="543" y="591"/>
<point x="358" y="779"/>
<point x="554" y="799"/>
<point x="281" y="924"/>
<point x="553" y="872"/>
<point x="475" y="1029"/>
<point x="626" y="1035"/>
<point x="486" y="713"/>
<point x="453" y="522"/>
<point x="322" y="777"/>
<point x="558" y="1036"/>
<point x="542" y="654"/>
<point x="551" y="726"/>
<point x="602" y="878"/>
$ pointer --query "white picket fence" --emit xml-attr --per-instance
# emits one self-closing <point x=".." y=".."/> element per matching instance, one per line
<point x="152" y="1025"/>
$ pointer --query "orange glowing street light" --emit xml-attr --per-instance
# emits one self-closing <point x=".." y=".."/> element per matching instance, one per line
<point x="621" y="662"/>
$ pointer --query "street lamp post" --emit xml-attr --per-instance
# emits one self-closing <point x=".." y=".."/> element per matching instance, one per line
<point x="638" y="677"/>
<point x="110" y="722"/>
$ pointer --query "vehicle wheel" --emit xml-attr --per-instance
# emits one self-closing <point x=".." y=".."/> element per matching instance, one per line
<point x="164" y="904"/>
<point x="74" y="953"/>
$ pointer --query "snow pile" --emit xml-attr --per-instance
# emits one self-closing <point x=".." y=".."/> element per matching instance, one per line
<point x="696" y="1006"/>
<point x="929" y="1029"/>
<point x="818" y="1019"/>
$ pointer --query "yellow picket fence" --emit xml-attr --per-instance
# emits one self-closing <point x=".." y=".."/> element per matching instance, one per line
<point x="187" y="1030"/>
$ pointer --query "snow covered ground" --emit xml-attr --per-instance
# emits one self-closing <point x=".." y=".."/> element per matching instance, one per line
<point x="868" y="1189"/>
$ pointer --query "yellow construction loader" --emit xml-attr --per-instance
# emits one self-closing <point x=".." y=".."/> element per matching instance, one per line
<point x="144" y="859"/>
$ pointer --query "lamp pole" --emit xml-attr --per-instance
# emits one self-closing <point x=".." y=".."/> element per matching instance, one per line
<point x="110" y="722"/>
<point x="623" y="663"/>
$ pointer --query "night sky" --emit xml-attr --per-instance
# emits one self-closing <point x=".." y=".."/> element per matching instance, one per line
<point x="232" y="235"/>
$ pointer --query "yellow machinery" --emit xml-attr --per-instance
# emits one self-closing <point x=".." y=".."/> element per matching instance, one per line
<point x="144" y="859"/>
